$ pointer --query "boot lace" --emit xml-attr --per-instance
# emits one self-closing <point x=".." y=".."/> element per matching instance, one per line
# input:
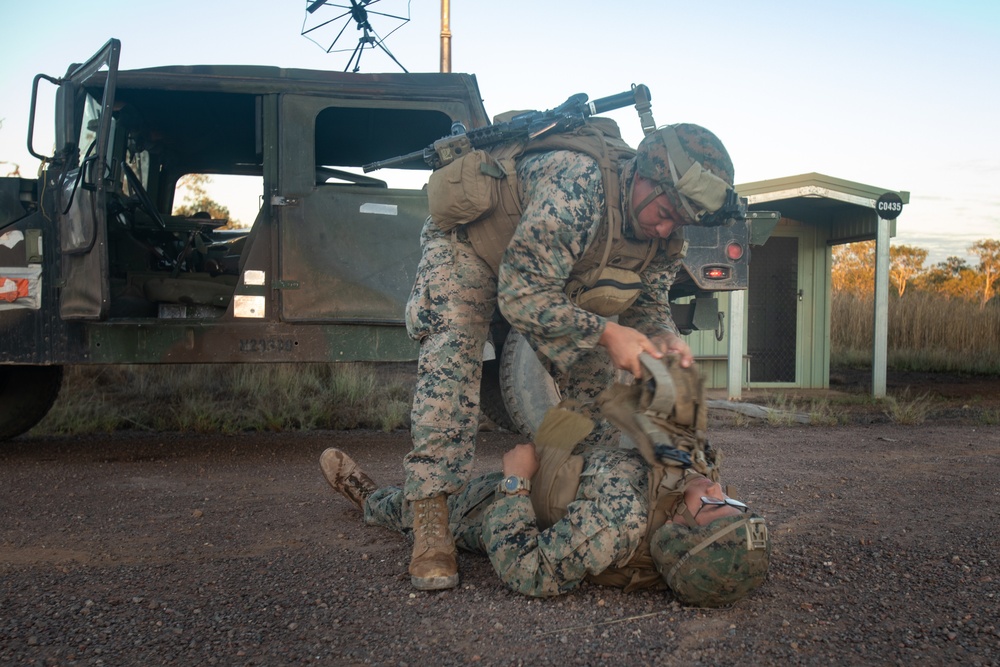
<point x="432" y="520"/>
<point x="360" y="489"/>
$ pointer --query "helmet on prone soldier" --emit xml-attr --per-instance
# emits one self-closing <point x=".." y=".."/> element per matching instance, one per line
<point x="713" y="565"/>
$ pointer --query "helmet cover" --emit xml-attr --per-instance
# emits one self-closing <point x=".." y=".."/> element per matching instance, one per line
<point x="713" y="565"/>
<point x="701" y="150"/>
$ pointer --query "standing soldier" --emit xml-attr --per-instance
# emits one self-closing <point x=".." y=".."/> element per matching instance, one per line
<point x="593" y="239"/>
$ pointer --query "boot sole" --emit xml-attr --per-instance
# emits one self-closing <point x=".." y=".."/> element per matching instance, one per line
<point x="434" y="583"/>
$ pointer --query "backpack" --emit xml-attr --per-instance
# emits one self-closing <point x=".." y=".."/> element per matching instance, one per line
<point x="480" y="190"/>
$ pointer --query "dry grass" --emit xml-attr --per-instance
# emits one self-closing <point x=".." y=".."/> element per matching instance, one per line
<point x="222" y="398"/>
<point x="927" y="332"/>
<point x="907" y="410"/>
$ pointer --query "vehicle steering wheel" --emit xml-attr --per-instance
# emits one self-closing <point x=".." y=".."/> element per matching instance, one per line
<point x="135" y="185"/>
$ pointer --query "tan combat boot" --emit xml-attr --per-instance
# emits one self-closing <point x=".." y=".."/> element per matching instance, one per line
<point x="346" y="478"/>
<point x="434" y="564"/>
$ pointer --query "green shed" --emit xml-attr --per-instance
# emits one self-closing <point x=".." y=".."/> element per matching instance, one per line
<point x="777" y="333"/>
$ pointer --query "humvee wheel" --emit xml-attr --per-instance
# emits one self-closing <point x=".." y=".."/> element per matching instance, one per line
<point x="527" y="388"/>
<point x="26" y="395"/>
<point x="491" y="396"/>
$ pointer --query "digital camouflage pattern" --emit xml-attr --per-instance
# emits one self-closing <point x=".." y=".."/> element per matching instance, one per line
<point x="563" y="201"/>
<point x="455" y="293"/>
<point x="724" y="570"/>
<point x="700" y="144"/>
<point x="602" y="528"/>
<point x="449" y="312"/>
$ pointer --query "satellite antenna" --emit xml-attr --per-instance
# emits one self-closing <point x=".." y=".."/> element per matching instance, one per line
<point x="357" y="12"/>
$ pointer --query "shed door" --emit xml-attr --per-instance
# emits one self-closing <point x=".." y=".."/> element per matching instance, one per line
<point x="773" y="310"/>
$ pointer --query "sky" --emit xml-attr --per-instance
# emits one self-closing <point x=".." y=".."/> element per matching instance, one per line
<point x="898" y="95"/>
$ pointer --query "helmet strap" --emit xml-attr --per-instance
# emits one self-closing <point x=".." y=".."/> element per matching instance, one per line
<point x="636" y="210"/>
<point x="685" y="512"/>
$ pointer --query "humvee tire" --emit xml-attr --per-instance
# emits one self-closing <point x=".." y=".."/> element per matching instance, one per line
<point x="528" y="390"/>
<point x="26" y="395"/>
<point x="491" y="397"/>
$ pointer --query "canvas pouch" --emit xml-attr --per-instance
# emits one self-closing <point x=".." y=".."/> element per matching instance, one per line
<point x="465" y="190"/>
<point x="614" y="290"/>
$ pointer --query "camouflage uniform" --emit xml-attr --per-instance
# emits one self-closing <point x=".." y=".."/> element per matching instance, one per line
<point x="456" y="293"/>
<point x="603" y="527"/>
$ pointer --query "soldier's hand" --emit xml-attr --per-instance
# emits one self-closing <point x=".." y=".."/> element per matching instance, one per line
<point x="669" y="343"/>
<point x="625" y="344"/>
<point x="522" y="461"/>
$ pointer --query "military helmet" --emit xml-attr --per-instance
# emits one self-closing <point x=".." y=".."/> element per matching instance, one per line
<point x="712" y="565"/>
<point x="693" y="168"/>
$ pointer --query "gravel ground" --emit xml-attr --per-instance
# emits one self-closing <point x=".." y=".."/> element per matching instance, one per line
<point x="201" y="549"/>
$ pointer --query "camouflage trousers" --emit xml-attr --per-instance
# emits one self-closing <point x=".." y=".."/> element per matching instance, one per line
<point x="449" y="312"/>
<point x="388" y="508"/>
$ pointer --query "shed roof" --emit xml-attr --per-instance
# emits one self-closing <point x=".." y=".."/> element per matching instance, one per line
<point x="847" y="208"/>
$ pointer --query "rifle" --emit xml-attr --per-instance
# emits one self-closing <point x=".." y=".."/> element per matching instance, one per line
<point x="524" y="126"/>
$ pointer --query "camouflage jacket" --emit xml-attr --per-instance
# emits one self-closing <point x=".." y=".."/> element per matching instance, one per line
<point x="603" y="527"/>
<point x="563" y="200"/>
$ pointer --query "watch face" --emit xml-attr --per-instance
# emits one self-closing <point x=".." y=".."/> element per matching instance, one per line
<point x="511" y="483"/>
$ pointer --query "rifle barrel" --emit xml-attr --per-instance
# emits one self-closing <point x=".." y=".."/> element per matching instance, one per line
<point x="618" y="101"/>
<point x="394" y="161"/>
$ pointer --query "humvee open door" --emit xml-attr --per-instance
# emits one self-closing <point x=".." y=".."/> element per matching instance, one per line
<point x="84" y="182"/>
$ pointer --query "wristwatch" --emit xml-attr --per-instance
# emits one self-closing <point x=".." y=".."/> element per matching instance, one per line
<point x="512" y="484"/>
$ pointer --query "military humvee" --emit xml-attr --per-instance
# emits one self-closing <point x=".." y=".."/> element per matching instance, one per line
<point x="95" y="268"/>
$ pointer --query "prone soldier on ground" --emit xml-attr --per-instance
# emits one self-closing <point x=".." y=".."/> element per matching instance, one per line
<point x="567" y="512"/>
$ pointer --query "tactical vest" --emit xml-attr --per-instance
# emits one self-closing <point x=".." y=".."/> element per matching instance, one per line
<point x="668" y="425"/>
<point x="480" y="191"/>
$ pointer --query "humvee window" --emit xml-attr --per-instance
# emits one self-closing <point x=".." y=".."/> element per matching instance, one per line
<point x="348" y="137"/>
<point x="88" y="128"/>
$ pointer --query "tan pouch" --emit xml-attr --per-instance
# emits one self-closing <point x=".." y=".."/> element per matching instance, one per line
<point x="611" y="294"/>
<point x="465" y="190"/>
<point x="555" y="484"/>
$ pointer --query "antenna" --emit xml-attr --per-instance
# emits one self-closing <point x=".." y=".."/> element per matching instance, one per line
<point x="357" y="12"/>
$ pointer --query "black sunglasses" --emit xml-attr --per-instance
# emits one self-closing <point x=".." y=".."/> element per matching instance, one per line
<point x="706" y="501"/>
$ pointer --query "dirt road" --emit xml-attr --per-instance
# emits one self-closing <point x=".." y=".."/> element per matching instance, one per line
<point x="193" y="550"/>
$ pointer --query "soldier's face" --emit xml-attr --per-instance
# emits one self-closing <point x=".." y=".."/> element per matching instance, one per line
<point x="658" y="219"/>
<point x="705" y="514"/>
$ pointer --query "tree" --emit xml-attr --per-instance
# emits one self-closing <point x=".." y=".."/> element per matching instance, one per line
<point x="934" y="278"/>
<point x="953" y="278"/>
<point x="966" y="285"/>
<point x="988" y="251"/>
<point x="906" y="263"/>
<point x="197" y="200"/>
<point x="853" y="267"/>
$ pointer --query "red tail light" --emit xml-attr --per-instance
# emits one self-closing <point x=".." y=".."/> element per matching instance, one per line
<point x="716" y="272"/>
<point x="734" y="251"/>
